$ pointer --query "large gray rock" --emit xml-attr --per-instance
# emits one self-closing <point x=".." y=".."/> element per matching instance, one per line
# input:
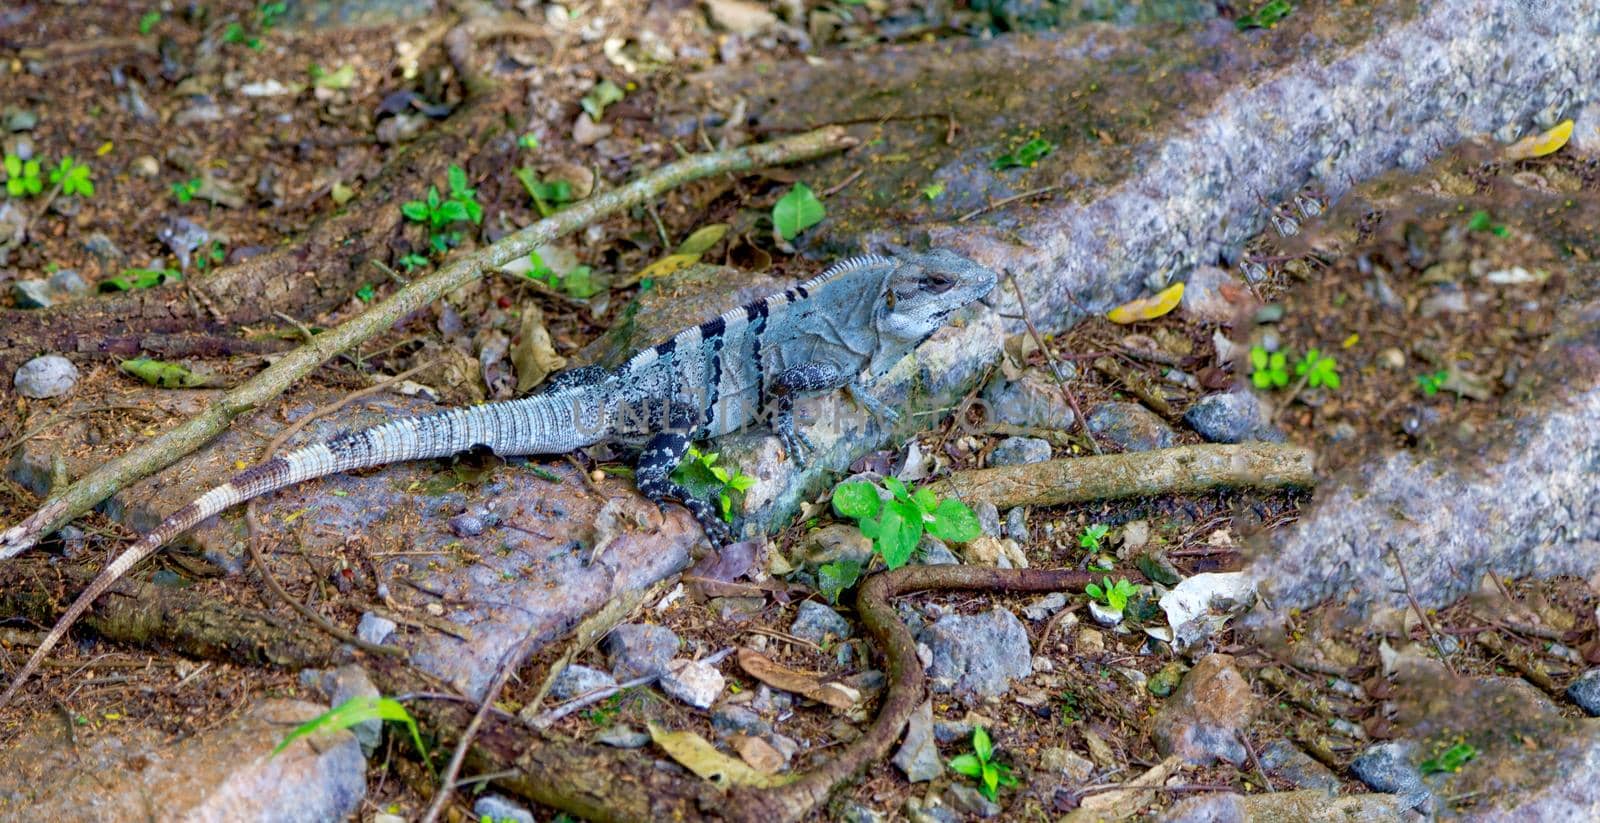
<point x="224" y="773"/>
<point x="977" y="654"/>
<point x="918" y="755"/>
<point x="1203" y="719"/>
<point x="46" y="376"/>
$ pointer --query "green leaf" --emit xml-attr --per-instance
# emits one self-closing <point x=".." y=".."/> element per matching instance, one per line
<point x="991" y="781"/>
<point x="925" y="500"/>
<point x="933" y="190"/>
<point x="897" y="488"/>
<point x="457" y="178"/>
<point x="834" y="578"/>
<point x="602" y="95"/>
<point x="1094" y="590"/>
<point x="354" y="711"/>
<point x="704" y="239"/>
<point x="1029" y="154"/>
<point x="742" y="482"/>
<point x="433" y="198"/>
<point x="1264" y="17"/>
<point x="415" y="211"/>
<point x="955" y="522"/>
<point x="967" y="764"/>
<point x="1258" y="358"/>
<point x="857" y="500"/>
<point x="797" y="211"/>
<point x="159" y="373"/>
<point x="1450" y="760"/>
<point x="148" y="21"/>
<point x="131" y="279"/>
<point x="896" y="538"/>
<point x="365" y="293"/>
<point x="981" y="744"/>
<point x="13" y="166"/>
<point x="451" y="211"/>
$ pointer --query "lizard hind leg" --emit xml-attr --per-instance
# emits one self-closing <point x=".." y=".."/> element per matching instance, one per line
<point x="660" y="456"/>
<point x="779" y="402"/>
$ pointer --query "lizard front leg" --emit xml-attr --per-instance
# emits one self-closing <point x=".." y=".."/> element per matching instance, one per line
<point x="865" y="400"/>
<point x="806" y="377"/>
<point x="661" y="455"/>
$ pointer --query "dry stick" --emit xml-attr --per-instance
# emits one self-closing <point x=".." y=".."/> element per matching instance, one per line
<point x="164" y="449"/>
<point x="1183" y="469"/>
<point x="254" y="541"/>
<point x="1422" y="615"/>
<point x="1006" y="201"/>
<point x="508" y="665"/>
<point x="1061" y="382"/>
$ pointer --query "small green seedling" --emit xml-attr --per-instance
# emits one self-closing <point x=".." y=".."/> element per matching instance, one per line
<point x="834" y="578"/>
<point x="1027" y="156"/>
<point x="797" y="211"/>
<point x="579" y="283"/>
<point x="366" y="293"/>
<point x="1268" y="371"/>
<point x="1091" y="537"/>
<point x="412" y="262"/>
<point x="528" y="142"/>
<point x="359" y="710"/>
<point x="131" y="279"/>
<point x="1265" y="17"/>
<point x="602" y="95"/>
<point x="1481" y="221"/>
<point x="185" y="190"/>
<point x="1431" y="383"/>
<point x="1450" y="760"/>
<point x="699" y="470"/>
<point x="22" y="177"/>
<point x="1318" y="369"/>
<point x="72" y="177"/>
<point x="979" y="766"/>
<point x="439" y="213"/>
<point x="896" y="526"/>
<point x="1114" y="595"/>
<point x="148" y="21"/>
<point x="211" y="255"/>
<point x="547" y="196"/>
<point x="933" y="190"/>
<point x="337" y="80"/>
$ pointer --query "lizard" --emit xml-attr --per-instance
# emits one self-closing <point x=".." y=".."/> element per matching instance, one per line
<point x="743" y="367"/>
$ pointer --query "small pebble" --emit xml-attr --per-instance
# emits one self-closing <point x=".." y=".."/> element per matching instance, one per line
<point x="50" y="375"/>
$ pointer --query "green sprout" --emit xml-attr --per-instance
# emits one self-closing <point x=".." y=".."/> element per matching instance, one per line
<point x="1268" y="371"/>
<point x="1091" y="537"/>
<point x="602" y="95"/>
<point x="549" y="196"/>
<point x="933" y="190"/>
<point x="796" y="211"/>
<point x="1481" y="221"/>
<point x="1450" y="760"/>
<point x="185" y="190"/>
<point x="22" y="176"/>
<point x="528" y="142"/>
<point x="1028" y="155"/>
<point x="896" y="526"/>
<point x="979" y="766"/>
<point x="1114" y="595"/>
<point x="354" y="711"/>
<point x="1265" y="17"/>
<point x="1432" y="383"/>
<point x="579" y="283"/>
<point x="366" y="293"/>
<point x="211" y="255"/>
<point x="1318" y="370"/>
<point x="439" y="213"/>
<point x="699" y="470"/>
<point x="148" y="21"/>
<point x="412" y="262"/>
<point x="72" y="177"/>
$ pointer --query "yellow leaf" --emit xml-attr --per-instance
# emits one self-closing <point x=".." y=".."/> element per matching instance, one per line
<point x="696" y="754"/>
<point x="703" y="239"/>
<point x="105" y="148"/>
<point x="1352" y="340"/>
<point x="670" y="264"/>
<point x="1147" y="308"/>
<point x="1539" y="145"/>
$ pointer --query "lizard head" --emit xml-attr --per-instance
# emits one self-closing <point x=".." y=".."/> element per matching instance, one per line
<point x="919" y="295"/>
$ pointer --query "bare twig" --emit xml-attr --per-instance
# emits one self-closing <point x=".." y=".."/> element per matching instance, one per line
<point x="1421" y="615"/>
<point x="161" y="451"/>
<point x="1055" y="368"/>
<point x="1031" y="193"/>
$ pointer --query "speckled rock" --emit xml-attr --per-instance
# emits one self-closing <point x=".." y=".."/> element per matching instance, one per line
<point x="46" y="376"/>
<point x="977" y="654"/>
<point x="1131" y="426"/>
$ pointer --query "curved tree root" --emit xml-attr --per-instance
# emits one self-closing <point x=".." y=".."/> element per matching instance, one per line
<point x="599" y="783"/>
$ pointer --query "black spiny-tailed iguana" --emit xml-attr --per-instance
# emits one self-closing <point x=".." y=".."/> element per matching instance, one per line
<point x="743" y="367"/>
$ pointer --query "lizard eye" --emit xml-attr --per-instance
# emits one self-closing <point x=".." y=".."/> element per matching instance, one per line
<point x="938" y="283"/>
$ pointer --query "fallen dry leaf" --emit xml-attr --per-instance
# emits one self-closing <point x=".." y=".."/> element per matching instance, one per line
<point x="758" y="753"/>
<point x="1539" y="145"/>
<point x="696" y="754"/>
<point x="534" y="357"/>
<point x="805" y="684"/>
<point x="1147" y="308"/>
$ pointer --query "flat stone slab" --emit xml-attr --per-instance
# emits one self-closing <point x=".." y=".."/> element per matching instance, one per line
<point x="227" y="773"/>
<point x="462" y="601"/>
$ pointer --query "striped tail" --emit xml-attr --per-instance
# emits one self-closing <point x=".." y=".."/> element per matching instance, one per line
<point x="542" y="424"/>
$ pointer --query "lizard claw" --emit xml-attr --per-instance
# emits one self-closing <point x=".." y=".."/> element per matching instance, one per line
<point x="796" y="444"/>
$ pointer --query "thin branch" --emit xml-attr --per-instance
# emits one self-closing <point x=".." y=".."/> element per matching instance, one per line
<point x="1055" y="369"/>
<point x="161" y="451"/>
